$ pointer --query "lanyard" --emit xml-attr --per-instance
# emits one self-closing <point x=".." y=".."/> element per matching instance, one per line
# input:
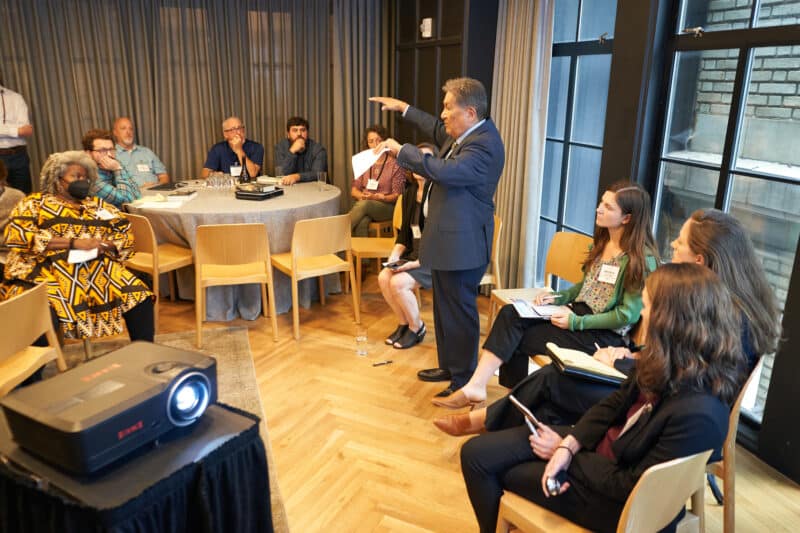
<point x="380" y="172"/>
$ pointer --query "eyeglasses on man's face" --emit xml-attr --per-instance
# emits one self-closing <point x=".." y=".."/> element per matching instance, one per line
<point x="235" y="128"/>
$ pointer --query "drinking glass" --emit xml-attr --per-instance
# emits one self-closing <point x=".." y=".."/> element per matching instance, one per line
<point x="322" y="179"/>
<point x="361" y="342"/>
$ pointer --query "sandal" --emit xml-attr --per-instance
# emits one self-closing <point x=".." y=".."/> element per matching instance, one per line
<point x="410" y="338"/>
<point x="396" y="334"/>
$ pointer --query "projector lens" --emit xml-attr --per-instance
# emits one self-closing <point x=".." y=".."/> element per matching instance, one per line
<point x="188" y="398"/>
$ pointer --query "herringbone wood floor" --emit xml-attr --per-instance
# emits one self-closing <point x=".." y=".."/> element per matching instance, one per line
<point x="354" y="444"/>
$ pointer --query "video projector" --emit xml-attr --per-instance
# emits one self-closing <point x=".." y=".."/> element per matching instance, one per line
<point x="101" y="411"/>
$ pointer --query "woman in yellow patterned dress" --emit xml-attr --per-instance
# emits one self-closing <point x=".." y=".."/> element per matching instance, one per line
<point x="89" y="298"/>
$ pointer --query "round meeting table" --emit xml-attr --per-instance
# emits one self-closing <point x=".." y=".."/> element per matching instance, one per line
<point x="177" y="224"/>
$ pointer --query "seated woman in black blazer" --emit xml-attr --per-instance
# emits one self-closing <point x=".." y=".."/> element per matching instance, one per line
<point x="675" y="404"/>
<point x="710" y="238"/>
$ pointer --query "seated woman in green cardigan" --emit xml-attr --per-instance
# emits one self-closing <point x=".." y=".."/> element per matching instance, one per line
<point x="602" y="307"/>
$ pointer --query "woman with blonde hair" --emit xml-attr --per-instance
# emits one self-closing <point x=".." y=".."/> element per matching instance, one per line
<point x="90" y="296"/>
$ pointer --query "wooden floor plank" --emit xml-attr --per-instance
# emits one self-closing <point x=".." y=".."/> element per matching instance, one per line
<point x="354" y="446"/>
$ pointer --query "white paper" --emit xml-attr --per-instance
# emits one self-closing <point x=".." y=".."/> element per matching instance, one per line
<point x="81" y="256"/>
<point x="104" y="214"/>
<point x="363" y="160"/>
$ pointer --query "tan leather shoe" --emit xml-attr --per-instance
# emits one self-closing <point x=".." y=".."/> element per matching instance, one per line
<point x="458" y="425"/>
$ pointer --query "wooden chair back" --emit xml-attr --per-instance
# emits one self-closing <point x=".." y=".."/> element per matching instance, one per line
<point x="726" y="468"/>
<point x="397" y="216"/>
<point x="314" y="237"/>
<point x="492" y="275"/>
<point x="661" y="493"/>
<point x="231" y="244"/>
<point x="565" y="257"/>
<point x="144" y="238"/>
<point x="24" y="318"/>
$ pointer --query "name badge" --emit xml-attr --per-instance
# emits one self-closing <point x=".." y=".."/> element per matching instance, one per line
<point x="141" y="167"/>
<point x="416" y="231"/>
<point x="372" y="185"/>
<point x="104" y="214"/>
<point x="608" y="274"/>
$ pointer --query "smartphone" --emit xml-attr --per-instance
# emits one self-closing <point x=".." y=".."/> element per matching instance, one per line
<point x="395" y="264"/>
<point x="530" y="420"/>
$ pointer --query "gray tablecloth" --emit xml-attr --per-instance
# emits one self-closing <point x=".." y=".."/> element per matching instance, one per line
<point x="300" y="201"/>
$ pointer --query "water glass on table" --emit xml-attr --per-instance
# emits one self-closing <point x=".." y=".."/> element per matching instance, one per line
<point x="322" y="179"/>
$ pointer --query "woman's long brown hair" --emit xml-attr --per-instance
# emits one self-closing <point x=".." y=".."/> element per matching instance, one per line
<point x="727" y="250"/>
<point x="637" y="235"/>
<point x="693" y="335"/>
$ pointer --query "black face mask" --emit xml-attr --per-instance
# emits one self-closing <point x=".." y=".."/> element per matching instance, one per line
<point x="79" y="189"/>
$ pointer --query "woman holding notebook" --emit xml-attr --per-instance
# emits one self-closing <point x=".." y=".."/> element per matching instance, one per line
<point x="710" y="238"/>
<point x="602" y="307"/>
<point x="675" y="405"/>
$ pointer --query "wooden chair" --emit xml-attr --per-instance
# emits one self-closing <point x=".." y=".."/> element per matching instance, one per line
<point x="656" y="499"/>
<point x="384" y="228"/>
<point x="376" y="247"/>
<point x="726" y="468"/>
<point x="492" y="275"/>
<point x="155" y="259"/>
<point x="233" y="254"/>
<point x="24" y="319"/>
<point x="565" y="258"/>
<point x="315" y="243"/>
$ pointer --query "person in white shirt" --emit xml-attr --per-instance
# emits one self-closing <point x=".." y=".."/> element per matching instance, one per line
<point x="15" y="129"/>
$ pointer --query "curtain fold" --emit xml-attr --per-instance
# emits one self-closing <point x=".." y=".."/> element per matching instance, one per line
<point x="519" y="107"/>
<point x="177" y="67"/>
<point x="360" y="61"/>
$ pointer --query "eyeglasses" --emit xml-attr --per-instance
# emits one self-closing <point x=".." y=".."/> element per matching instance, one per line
<point x="235" y="128"/>
<point x="105" y="150"/>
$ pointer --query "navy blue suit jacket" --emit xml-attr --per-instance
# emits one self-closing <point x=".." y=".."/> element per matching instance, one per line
<point x="460" y="224"/>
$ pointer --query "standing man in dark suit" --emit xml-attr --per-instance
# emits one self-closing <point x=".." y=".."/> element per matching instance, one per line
<point x="459" y="225"/>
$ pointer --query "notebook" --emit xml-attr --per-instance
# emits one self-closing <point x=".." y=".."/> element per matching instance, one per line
<point x="582" y="365"/>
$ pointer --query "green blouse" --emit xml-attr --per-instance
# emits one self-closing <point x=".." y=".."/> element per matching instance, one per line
<point x="623" y="308"/>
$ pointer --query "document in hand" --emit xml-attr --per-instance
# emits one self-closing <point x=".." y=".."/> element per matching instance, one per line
<point x="526" y="309"/>
<point x="582" y="365"/>
<point x="363" y="160"/>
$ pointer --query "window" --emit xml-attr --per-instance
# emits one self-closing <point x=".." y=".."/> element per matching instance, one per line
<point x="730" y="136"/>
<point x="583" y="38"/>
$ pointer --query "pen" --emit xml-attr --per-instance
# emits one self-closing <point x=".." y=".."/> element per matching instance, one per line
<point x="381" y="363"/>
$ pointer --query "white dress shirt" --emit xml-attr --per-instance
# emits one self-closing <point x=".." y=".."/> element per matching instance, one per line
<point x="13" y="115"/>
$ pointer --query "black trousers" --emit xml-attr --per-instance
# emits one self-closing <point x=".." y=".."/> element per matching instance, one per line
<point x="458" y="328"/>
<point x="513" y="339"/>
<point x="19" y="170"/>
<point x="554" y="398"/>
<point x="503" y="459"/>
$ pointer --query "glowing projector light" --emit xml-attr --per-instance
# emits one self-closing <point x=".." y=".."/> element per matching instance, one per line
<point x="188" y="399"/>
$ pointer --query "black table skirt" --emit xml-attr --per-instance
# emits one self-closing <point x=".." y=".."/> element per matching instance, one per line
<point x="226" y="491"/>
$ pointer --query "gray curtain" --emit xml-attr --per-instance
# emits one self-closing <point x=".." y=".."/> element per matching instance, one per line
<point x="360" y="70"/>
<point x="519" y="106"/>
<point x="179" y="67"/>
